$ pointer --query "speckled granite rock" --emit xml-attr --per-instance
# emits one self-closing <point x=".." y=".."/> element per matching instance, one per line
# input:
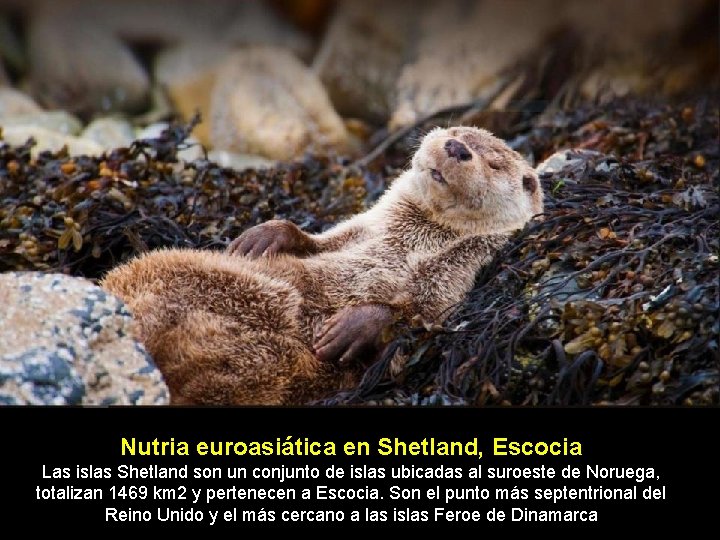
<point x="65" y="341"/>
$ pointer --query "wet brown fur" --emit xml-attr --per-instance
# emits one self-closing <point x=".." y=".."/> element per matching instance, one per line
<point x="234" y="330"/>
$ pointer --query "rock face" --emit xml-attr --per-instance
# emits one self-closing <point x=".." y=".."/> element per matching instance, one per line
<point x="630" y="43"/>
<point x="174" y="21"/>
<point x="420" y="57"/>
<point x="266" y="102"/>
<point x="65" y="341"/>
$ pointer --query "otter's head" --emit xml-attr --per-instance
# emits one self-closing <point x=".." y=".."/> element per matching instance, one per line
<point x="470" y="179"/>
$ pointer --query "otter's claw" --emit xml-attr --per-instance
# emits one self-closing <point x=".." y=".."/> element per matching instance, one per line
<point x="353" y="333"/>
<point x="271" y="238"/>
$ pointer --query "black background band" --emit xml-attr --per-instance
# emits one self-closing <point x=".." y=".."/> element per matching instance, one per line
<point x="676" y="443"/>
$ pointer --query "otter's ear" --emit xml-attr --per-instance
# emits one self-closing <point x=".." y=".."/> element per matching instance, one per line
<point x="530" y="183"/>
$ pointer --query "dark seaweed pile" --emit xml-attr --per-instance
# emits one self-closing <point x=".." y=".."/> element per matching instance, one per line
<point x="612" y="298"/>
<point x="83" y="216"/>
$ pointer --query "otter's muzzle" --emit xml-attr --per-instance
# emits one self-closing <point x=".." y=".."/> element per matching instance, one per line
<point x="456" y="149"/>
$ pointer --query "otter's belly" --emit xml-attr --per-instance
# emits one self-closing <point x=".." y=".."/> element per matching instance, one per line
<point x="329" y="282"/>
<point x="338" y="279"/>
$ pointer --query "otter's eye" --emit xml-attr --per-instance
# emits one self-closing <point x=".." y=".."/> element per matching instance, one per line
<point x="437" y="176"/>
<point x="529" y="183"/>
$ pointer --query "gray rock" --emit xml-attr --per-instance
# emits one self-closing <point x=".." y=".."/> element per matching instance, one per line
<point x="80" y="66"/>
<point x="65" y="341"/>
<point x="365" y="89"/>
<point x="174" y="21"/>
<point x="58" y="121"/>
<point x="110" y="133"/>
<point x="11" y="48"/>
<point x="79" y="51"/>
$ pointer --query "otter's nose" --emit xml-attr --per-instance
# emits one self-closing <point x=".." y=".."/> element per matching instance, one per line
<point x="457" y="150"/>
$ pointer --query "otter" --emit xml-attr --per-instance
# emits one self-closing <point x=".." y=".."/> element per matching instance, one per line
<point x="283" y="316"/>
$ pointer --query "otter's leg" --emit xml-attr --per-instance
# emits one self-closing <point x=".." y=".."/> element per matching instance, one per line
<point x="219" y="332"/>
<point x="211" y="359"/>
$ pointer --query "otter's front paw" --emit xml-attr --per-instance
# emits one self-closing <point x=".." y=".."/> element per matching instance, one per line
<point x="271" y="238"/>
<point x="352" y="333"/>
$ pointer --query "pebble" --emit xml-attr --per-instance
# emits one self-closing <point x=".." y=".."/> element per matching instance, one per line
<point x="110" y="133"/>
<point x="50" y="140"/>
<point x="239" y="162"/>
<point x="58" y="121"/>
<point x="14" y="103"/>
